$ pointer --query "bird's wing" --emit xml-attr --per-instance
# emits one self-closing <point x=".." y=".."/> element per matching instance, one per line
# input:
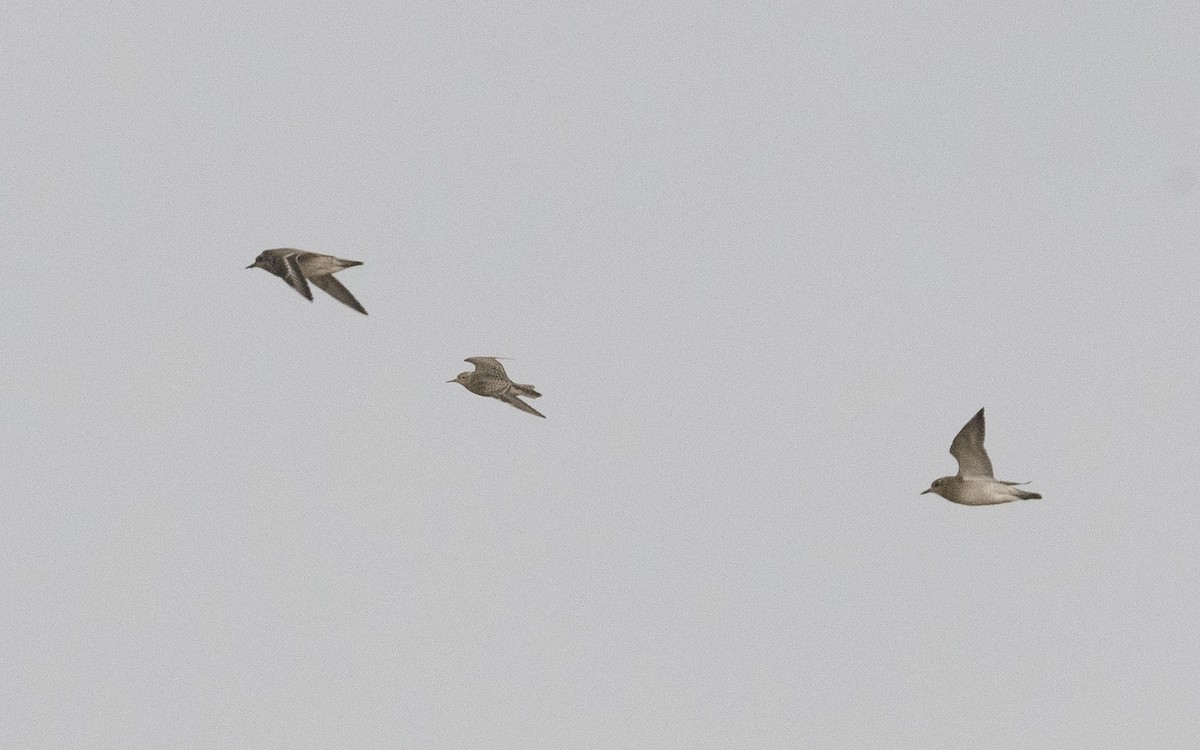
<point x="510" y="397"/>
<point x="967" y="448"/>
<point x="488" y="366"/>
<point x="334" y="288"/>
<point x="288" y="269"/>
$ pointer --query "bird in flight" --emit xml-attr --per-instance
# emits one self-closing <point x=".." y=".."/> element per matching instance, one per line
<point x="297" y="268"/>
<point x="974" y="483"/>
<point x="490" y="379"/>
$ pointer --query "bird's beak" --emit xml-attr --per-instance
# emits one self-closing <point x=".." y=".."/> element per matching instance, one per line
<point x="926" y="492"/>
<point x="452" y="381"/>
<point x="252" y="265"/>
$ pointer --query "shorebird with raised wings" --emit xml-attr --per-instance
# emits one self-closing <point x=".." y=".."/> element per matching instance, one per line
<point x="490" y="379"/>
<point x="974" y="483"/>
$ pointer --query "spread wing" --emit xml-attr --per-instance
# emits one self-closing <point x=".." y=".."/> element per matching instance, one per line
<point x="334" y="288"/>
<point x="488" y="367"/>
<point x="967" y="448"/>
<point x="286" y="267"/>
<point x="510" y="397"/>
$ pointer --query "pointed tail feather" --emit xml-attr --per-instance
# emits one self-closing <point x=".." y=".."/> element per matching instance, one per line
<point x="1028" y="495"/>
<point x="526" y="390"/>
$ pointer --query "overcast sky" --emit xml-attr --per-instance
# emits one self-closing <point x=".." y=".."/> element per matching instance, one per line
<point x="763" y="260"/>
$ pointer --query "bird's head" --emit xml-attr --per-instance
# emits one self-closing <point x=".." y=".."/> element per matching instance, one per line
<point x="258" y="261"/>
<point x="462" y="377"/>
<point x="939" y="486"/>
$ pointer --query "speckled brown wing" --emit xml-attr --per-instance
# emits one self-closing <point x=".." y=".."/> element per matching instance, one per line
<point x="488" y="367"/>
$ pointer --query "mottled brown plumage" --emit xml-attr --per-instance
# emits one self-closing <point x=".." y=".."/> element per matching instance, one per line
<point x="490" y="379"/>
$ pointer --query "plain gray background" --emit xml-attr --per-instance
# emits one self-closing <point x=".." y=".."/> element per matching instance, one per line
<point x="763" y="260"/>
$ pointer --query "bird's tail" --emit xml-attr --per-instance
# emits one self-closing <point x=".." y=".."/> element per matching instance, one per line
<point x="526" y="390"/>
<point x="1027" y="495"/>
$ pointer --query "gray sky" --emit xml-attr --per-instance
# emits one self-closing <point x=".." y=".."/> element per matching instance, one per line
<point x="763" y="260"/>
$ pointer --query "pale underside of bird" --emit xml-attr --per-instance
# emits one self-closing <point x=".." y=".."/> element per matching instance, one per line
<point x="490" y="379"/>
<point x="297" y="268"/>
<point x="974" y="483"/>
